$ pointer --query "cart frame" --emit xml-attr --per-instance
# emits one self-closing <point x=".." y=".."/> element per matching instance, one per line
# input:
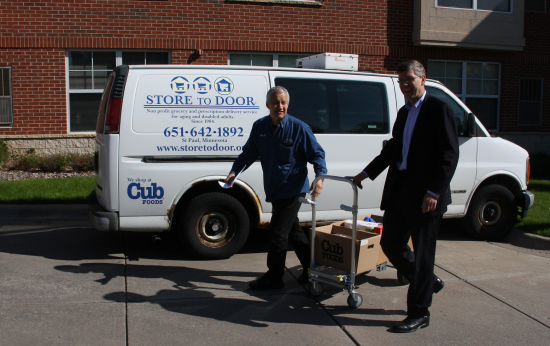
<point x="316" y="275"/>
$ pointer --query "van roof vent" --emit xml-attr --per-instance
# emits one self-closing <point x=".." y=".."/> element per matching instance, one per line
<point x="330" y="61"/>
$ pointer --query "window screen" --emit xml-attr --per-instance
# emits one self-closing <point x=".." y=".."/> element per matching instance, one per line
<point x="336" y="106"/>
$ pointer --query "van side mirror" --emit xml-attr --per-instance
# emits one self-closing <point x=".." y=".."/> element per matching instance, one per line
<point x="471" y="125"/>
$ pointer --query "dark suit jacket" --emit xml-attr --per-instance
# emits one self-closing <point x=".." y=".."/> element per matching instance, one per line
<point x="432" y="159"/>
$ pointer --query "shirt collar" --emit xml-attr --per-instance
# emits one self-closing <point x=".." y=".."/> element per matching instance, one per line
<point x="283" y="121"/>
<point x="417" y="104"/>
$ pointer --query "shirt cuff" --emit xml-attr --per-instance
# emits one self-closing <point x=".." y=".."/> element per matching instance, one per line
<point x="365" y="173"/>
<point x="433" y="194"/>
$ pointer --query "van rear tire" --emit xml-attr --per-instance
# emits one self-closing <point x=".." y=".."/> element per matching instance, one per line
<point x="214" y="226"/>
<point x="492" y="213"/>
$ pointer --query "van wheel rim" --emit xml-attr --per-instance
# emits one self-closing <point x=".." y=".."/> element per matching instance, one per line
<point x="213" y="227"/>
<point x="490" y="213"/>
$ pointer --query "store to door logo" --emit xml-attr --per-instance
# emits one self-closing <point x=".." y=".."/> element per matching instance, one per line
<point x="179" y="85"/>
<point x="202" y="85"/>
<point x="223" y="86"/>
<point x="150" y="194"/>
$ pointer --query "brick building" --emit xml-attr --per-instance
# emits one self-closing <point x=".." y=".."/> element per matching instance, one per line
<point x="55" y="55"/>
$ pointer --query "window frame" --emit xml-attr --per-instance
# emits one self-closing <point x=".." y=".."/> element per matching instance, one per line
<point x="541" y="100"/>
<point x="275" y="57"/>
<point x="474" y="7"/>
<point x="118" y="61"/>
<point x="10" y="116"/>
<point x="463" y="95"/>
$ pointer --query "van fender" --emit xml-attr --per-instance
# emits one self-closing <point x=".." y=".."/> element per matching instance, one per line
<point x="487" y="177"/>
<point x="251" y="194"/>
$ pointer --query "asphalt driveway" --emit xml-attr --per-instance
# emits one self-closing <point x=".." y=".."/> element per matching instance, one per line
<point x="63" y="283"/>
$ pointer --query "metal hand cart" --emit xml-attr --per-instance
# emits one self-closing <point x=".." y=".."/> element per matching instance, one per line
<point x="317" y="276"/>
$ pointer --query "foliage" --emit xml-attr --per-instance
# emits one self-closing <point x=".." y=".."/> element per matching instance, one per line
<point x="538" y="216"/>
<point x="47" y="191"/>
<point x="54" y="162"/>
<point x="4" y="152"/>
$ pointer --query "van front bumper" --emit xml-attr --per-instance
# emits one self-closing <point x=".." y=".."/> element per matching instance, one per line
<point x="101" y="219"/>
<point x="528" y="201"/>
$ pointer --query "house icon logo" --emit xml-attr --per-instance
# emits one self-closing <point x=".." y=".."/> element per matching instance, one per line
<point x="179" y="85"/>
<point x="202" y="85"/>
<point x="224" y="86"/>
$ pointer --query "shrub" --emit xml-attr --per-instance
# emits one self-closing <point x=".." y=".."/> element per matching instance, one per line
<point x="52" y="163"/>
<point x="81" y="162"/>
<point x="4" y="152"/>
<point x="26" y="162"/>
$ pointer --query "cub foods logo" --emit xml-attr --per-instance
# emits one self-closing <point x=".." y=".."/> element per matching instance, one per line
<point x="149" y="195"/>
<point x="332" y="252"/>
<point x="202" y="85"/>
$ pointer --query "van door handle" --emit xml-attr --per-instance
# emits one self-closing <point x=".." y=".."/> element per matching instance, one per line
<point x="385" y="142"/>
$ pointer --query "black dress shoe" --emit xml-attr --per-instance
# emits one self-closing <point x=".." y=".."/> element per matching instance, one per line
<point x="266" y="282"/>
<point x="438" y="285"/>
<point x="409" y="325"/>
<point x="303" y="279"/>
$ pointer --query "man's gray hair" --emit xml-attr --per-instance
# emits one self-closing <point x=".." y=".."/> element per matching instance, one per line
<point x="414" y="65"/>
<point x="277" y="90"/>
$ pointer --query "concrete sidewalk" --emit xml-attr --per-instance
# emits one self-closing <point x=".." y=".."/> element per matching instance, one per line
<point x="64" y="283"/>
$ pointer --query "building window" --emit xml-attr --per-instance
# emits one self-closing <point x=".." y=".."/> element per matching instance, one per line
<point x="530" y="101"/>
<point x="535" y="5"/>
<point x="477" y="84"/>
<point x="481" y="5"/>
<point x="6" y="107"/>
<point x="87" y="75"/>
<point x="265" y="59"/>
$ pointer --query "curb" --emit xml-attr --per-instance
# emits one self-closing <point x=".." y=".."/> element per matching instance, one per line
<point x="523" y="239"/>
<point x="13" y="212"/>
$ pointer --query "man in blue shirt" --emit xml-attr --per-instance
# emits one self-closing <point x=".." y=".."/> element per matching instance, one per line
<point x="284" y="145"/>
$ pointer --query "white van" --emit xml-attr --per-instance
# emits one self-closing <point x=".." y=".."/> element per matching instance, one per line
<point x="167" y="134"/>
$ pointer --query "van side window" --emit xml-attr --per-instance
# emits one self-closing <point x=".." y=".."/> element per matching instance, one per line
<point x="337" y="106"/>
<point x="460" y="114"/>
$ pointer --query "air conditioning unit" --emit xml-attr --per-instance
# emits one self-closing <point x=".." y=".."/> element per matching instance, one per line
<point x="330" y="61"/>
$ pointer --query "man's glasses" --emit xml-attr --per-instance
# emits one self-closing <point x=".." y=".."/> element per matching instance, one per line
<point x="407" y="80"/>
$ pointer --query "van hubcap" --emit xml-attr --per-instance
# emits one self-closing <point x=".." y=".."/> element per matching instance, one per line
<point x="213" y="227"/>
<point x="490" y="213"/>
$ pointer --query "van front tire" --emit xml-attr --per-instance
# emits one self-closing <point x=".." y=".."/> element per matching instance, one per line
<point x="214" y="226"/>
<point x="492" y="213"/>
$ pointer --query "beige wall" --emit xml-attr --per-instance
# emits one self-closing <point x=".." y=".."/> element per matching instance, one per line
<point x="467" y="28"/>
<point x="51" y="144"/>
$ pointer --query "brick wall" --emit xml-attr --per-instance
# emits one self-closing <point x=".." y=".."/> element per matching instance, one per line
<point x="35" y="35"/>
<point x="39" y="97"/>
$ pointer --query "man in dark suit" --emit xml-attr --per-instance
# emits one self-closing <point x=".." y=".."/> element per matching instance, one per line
<point x="422" y="156"/>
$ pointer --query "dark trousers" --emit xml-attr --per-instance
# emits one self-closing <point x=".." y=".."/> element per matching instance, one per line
<point x="284" y="226"/>
<point x="417" y="266"/>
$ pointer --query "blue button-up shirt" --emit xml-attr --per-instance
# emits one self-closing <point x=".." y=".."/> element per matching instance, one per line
<point x="284" y="152"/>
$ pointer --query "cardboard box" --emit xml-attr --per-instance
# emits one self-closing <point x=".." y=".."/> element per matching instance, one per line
<point x="333" y="250"/>
<point x="381" y="255"/>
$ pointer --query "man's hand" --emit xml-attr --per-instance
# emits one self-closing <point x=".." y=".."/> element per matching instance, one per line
<point x="358" y="179"/>
<point x="429" y="203"/>
<point x="318" y="188"/>
<point x="229" y="179"/>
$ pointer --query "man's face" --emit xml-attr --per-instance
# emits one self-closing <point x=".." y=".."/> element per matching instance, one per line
<point x="411" y="85"/>
<point x="278" y="106"/>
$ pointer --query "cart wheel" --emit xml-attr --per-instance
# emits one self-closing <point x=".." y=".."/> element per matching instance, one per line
<point x="315" y="288"/>
<point x="402" y="280"/>
<point x="355" y="303"/>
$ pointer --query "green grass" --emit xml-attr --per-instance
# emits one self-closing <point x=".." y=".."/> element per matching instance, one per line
<point x="538" y="217"/>
<point x="74" y="190"/>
